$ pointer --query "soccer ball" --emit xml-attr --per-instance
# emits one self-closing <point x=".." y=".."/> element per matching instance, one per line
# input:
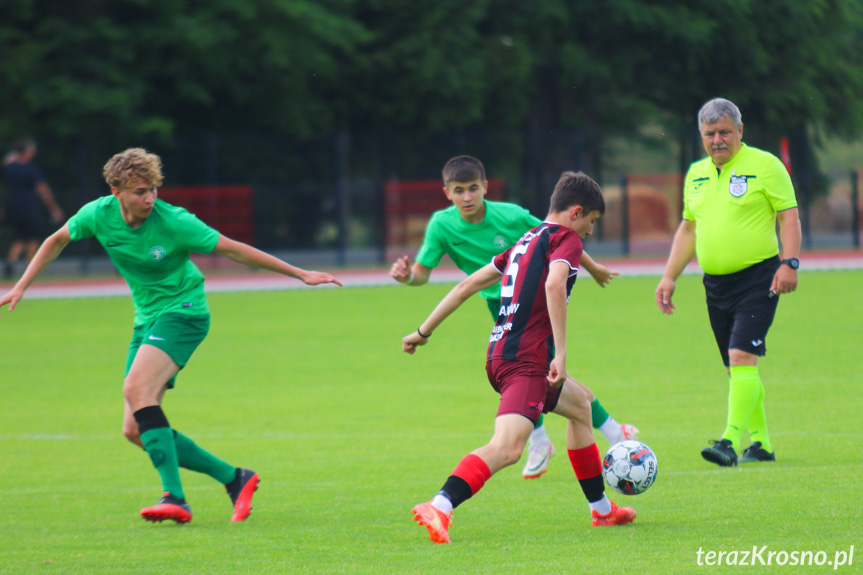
<point x="629" y="467"/>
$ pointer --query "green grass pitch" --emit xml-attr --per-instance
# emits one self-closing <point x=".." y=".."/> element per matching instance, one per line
<point x="310" y="389"/>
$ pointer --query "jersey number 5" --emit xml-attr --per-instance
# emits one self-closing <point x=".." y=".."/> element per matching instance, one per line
<point x="507" y="286"/>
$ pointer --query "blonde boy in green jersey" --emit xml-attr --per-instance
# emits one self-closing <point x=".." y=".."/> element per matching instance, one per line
<point x="149" y="241"/>
<point x="471" y="232"/>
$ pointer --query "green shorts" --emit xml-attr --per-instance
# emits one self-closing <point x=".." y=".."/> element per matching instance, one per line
<point x="178" y="335"/>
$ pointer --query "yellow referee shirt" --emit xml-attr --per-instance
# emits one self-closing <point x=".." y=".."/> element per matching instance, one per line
<point x="735" y="210"/>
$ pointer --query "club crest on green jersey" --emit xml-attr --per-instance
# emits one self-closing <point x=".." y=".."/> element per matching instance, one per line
<point x="501" y="242"/>
<point x="737" y="186"/>
<point x="158" y="253"/>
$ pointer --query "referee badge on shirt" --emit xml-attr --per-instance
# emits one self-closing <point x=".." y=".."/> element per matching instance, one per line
<point x="737" y="187"/>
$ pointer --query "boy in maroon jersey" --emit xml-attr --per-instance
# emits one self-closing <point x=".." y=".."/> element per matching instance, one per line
<point x="538" y="274"/>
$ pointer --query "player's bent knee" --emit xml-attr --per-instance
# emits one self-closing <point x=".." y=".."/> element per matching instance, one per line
<point x="130" y="432"/>
<point x="576" y="394"/>
<point x="130" y="387"/>
<point x="506" y="455"/>
<point x="512" y="454"/>
<point x="740" y="357"/>
<point x="136" y="390"/>
<point x="582" y="400"/>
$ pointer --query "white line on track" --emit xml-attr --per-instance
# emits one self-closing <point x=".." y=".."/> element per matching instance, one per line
<point x="353" y="278"/>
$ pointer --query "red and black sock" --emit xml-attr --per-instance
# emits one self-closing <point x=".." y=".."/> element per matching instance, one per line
<point x="588" y="469"/>
<point x="467" y="478"/>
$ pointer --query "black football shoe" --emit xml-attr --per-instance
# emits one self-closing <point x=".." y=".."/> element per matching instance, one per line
<point x="721" y="453"/>
<point x="756" y="453"/>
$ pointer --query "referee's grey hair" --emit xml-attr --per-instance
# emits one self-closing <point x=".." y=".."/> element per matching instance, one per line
<point x="719" y="108"/>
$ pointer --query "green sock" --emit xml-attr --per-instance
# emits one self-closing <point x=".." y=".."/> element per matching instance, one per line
<point x="190" y="456"/>
<point x="598" y="413"/>
<point x="538" y="424"/>
<point x="758" y="423"/>
<point x="742" y="399"/>
<point x="159" y="443"/>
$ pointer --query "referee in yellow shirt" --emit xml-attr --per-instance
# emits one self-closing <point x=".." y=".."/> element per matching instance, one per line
<point x="732" y="200"/>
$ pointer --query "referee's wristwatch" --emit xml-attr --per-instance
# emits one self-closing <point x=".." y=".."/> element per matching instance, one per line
<point x="792" y="263"/>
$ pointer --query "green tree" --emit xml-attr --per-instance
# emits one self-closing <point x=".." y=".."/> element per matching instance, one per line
<point x="126" y="68"/>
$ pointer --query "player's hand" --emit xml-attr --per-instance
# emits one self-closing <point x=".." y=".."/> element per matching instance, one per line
<point x="602" y="275"/>
<point x="557" y="371"/>
<point x="12" y="297"/>
<point x="57" y="215"/>
<point x="401" y="269"/>
<point x="784" y="281"/>
<point x="317" y="278"/>
<point x="664" y="291"/>
<point x="411" y="341"/>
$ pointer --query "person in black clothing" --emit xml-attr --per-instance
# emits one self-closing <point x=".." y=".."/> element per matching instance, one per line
<point x="26" y="191"/>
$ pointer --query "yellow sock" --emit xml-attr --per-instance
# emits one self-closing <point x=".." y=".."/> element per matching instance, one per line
<point x="758" y="423"/>
<point x="742" y="400"/>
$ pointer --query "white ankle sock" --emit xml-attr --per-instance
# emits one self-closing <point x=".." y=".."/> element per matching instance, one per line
<point x="442" y="503"/>
<point x="603" y="506"/>
<point x="611" y="431"/>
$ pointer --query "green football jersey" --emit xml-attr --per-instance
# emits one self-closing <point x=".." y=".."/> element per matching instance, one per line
<point x="153" y="258"/>
<point x="471" y="246"/>
<point x="735" y="211"/>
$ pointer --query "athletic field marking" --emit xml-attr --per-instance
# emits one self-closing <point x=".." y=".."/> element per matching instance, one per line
<point x="45" y="436"/>
<point x="221" y="284"/>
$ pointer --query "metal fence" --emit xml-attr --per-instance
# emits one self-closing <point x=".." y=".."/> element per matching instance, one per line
<point x="322" y="198"/>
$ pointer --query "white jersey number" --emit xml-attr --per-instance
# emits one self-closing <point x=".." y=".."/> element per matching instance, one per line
<point x="507" y="287"/>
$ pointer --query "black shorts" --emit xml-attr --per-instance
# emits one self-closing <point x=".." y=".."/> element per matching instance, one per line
<point x="740" y="309"/>
<point x="26" y="219"/>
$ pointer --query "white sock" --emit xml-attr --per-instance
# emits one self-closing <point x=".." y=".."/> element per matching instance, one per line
<point x="603" y="506"/>
<point x="538" y="436"/>
<point x="442" y="503"/>
<point x="611" y="431"/>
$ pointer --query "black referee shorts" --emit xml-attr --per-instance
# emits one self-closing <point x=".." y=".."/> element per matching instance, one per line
<point x="740" y="309"/>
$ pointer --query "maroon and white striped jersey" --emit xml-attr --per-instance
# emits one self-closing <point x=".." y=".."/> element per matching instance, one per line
<point x="523" y="328"/>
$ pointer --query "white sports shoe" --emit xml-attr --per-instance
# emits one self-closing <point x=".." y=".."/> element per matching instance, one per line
<point x="538" y="456"/>
<point x="628" y="431"/>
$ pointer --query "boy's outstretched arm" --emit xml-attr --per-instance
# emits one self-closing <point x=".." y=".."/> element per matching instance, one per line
<point x="251" y="256"/>
<point x="48" y="252"/>
<point x="600" y="274"/>
<point x="484" y="277"/>
<point x="413" y="275"/>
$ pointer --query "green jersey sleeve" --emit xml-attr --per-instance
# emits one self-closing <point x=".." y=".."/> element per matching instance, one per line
<point x="197" y="236"/>
<point x="433" y="247"/>
<point x="83" y="224"/>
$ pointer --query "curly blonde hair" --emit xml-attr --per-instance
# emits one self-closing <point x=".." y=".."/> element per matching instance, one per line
<point x="133" y="163"/>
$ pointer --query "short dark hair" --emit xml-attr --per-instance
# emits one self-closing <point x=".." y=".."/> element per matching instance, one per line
<point x="463" y="169"/>
<point x="23" y="144"/>
<point x="577" y="189"/>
